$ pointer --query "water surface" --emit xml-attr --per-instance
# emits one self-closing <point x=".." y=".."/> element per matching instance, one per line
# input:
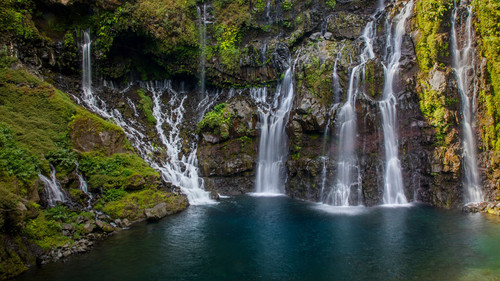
<point x="277" y="238"/>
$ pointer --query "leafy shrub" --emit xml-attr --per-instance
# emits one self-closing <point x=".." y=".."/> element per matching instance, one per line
<point x="331" y="4"/>
<point x="62" y="158"/>
<point x="287" y="5"/>
<point x="15" y="160"/>
<point x="58" y="213"/>
<point x="127" y="171"/>
<point x="46" y="233"/>
<point x="213" y="120"/>
<point x="114" y="194"/>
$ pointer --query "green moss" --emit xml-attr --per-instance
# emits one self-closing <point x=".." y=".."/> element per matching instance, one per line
<point x="46" y="229"/>
<point x="331" y="4"/>
<point x="132" y="205"/>
<point x="217" y="121"/>
<point x="260" y="6"/>
<point x="36" y="113"/>
<point x="317" y="79"/>
<point x="45" y="232"/>
<point x="113" y="195"/>
<point x="146" y="105"/>
<point x="488" y="29"/>
<point x="432" y="20"/>
<point x="15" y="18"/>
<point x="118" y="171"/>
<point x="63" y="159"/>
<point x="287" y="5"/>
<point x="432" y="105"/>
<point x="15" y="160"/>
<point x="430" y="15"/>
<point x="10" y="261"/>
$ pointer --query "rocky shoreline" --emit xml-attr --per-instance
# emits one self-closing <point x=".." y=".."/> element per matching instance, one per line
<point x="99" y="228"/>
<point x="492" y="208"/>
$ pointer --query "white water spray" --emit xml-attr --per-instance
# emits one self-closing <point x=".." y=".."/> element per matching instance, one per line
<point x="178" y="169"/>
<point x="93" y="102"/>
<point x="83" y="186"/>
<point x="393" y="179"/>
<point x="273" y="148"/>
<point x="348" y="171"/>
<point x="53" y="188"/>
<point x="463" y="65"/>
<point x="181" y="171"/>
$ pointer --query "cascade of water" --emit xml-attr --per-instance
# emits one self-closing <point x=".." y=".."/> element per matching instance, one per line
<point x="393" y="179"/>
<point x="347" y="164"/>
<point x="83" y="185"/>
<point x="273" y="146"/>
<point x="93" y="102"/>
<point x="463" y="65"/>
<point x="53" y="188"/>
<point x="179" y="170"/>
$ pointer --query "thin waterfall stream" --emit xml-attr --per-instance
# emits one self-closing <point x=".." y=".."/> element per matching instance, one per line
<point x="463" y="64"/>
<point x="83" y="186"/>
<point x="393" y="179"/>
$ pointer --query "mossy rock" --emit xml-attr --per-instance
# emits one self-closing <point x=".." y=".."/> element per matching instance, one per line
<point x="89" y="132"/>
<point x="133" y="205"/>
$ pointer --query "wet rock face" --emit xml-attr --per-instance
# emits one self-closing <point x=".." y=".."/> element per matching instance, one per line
<point x="227" y="153"/>
<point x="88" y="135"/>
<point x="227" y="156"/>
<point x="344" y="25"/>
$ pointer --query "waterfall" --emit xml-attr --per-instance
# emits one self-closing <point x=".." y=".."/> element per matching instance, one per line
<point x="463" y="64"/>
<point x="273" y="148"/>
<point x="348" y="172"/>
<point x="178" y="169"/>
<point x="93" y="102"/>
<point x="393" y="179"/>
<point x="83" y="185"/>
<point x="52" y="188"/>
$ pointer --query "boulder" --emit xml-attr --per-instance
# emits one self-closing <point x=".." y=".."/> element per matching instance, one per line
<point x="88" y="228"/>
<point x="157" y="212"/>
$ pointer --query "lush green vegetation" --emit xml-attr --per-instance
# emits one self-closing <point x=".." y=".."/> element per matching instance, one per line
<point x="146" y="105"/>
<point x="14" y="160"/>
<point x="432" y="46"/>
<point x="488" y="28"/>
<point x="46" y="229"/>
<point x="331" y="3"/>
<point x="118" y="171"/>
<point x="15" y="18"/>
<point x="430" y="16"/>
<point x="40" y="125"/>
<point x="217" y="121"/>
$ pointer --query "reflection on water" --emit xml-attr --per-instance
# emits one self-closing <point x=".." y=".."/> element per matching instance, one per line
<point x="276" y="238"/>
